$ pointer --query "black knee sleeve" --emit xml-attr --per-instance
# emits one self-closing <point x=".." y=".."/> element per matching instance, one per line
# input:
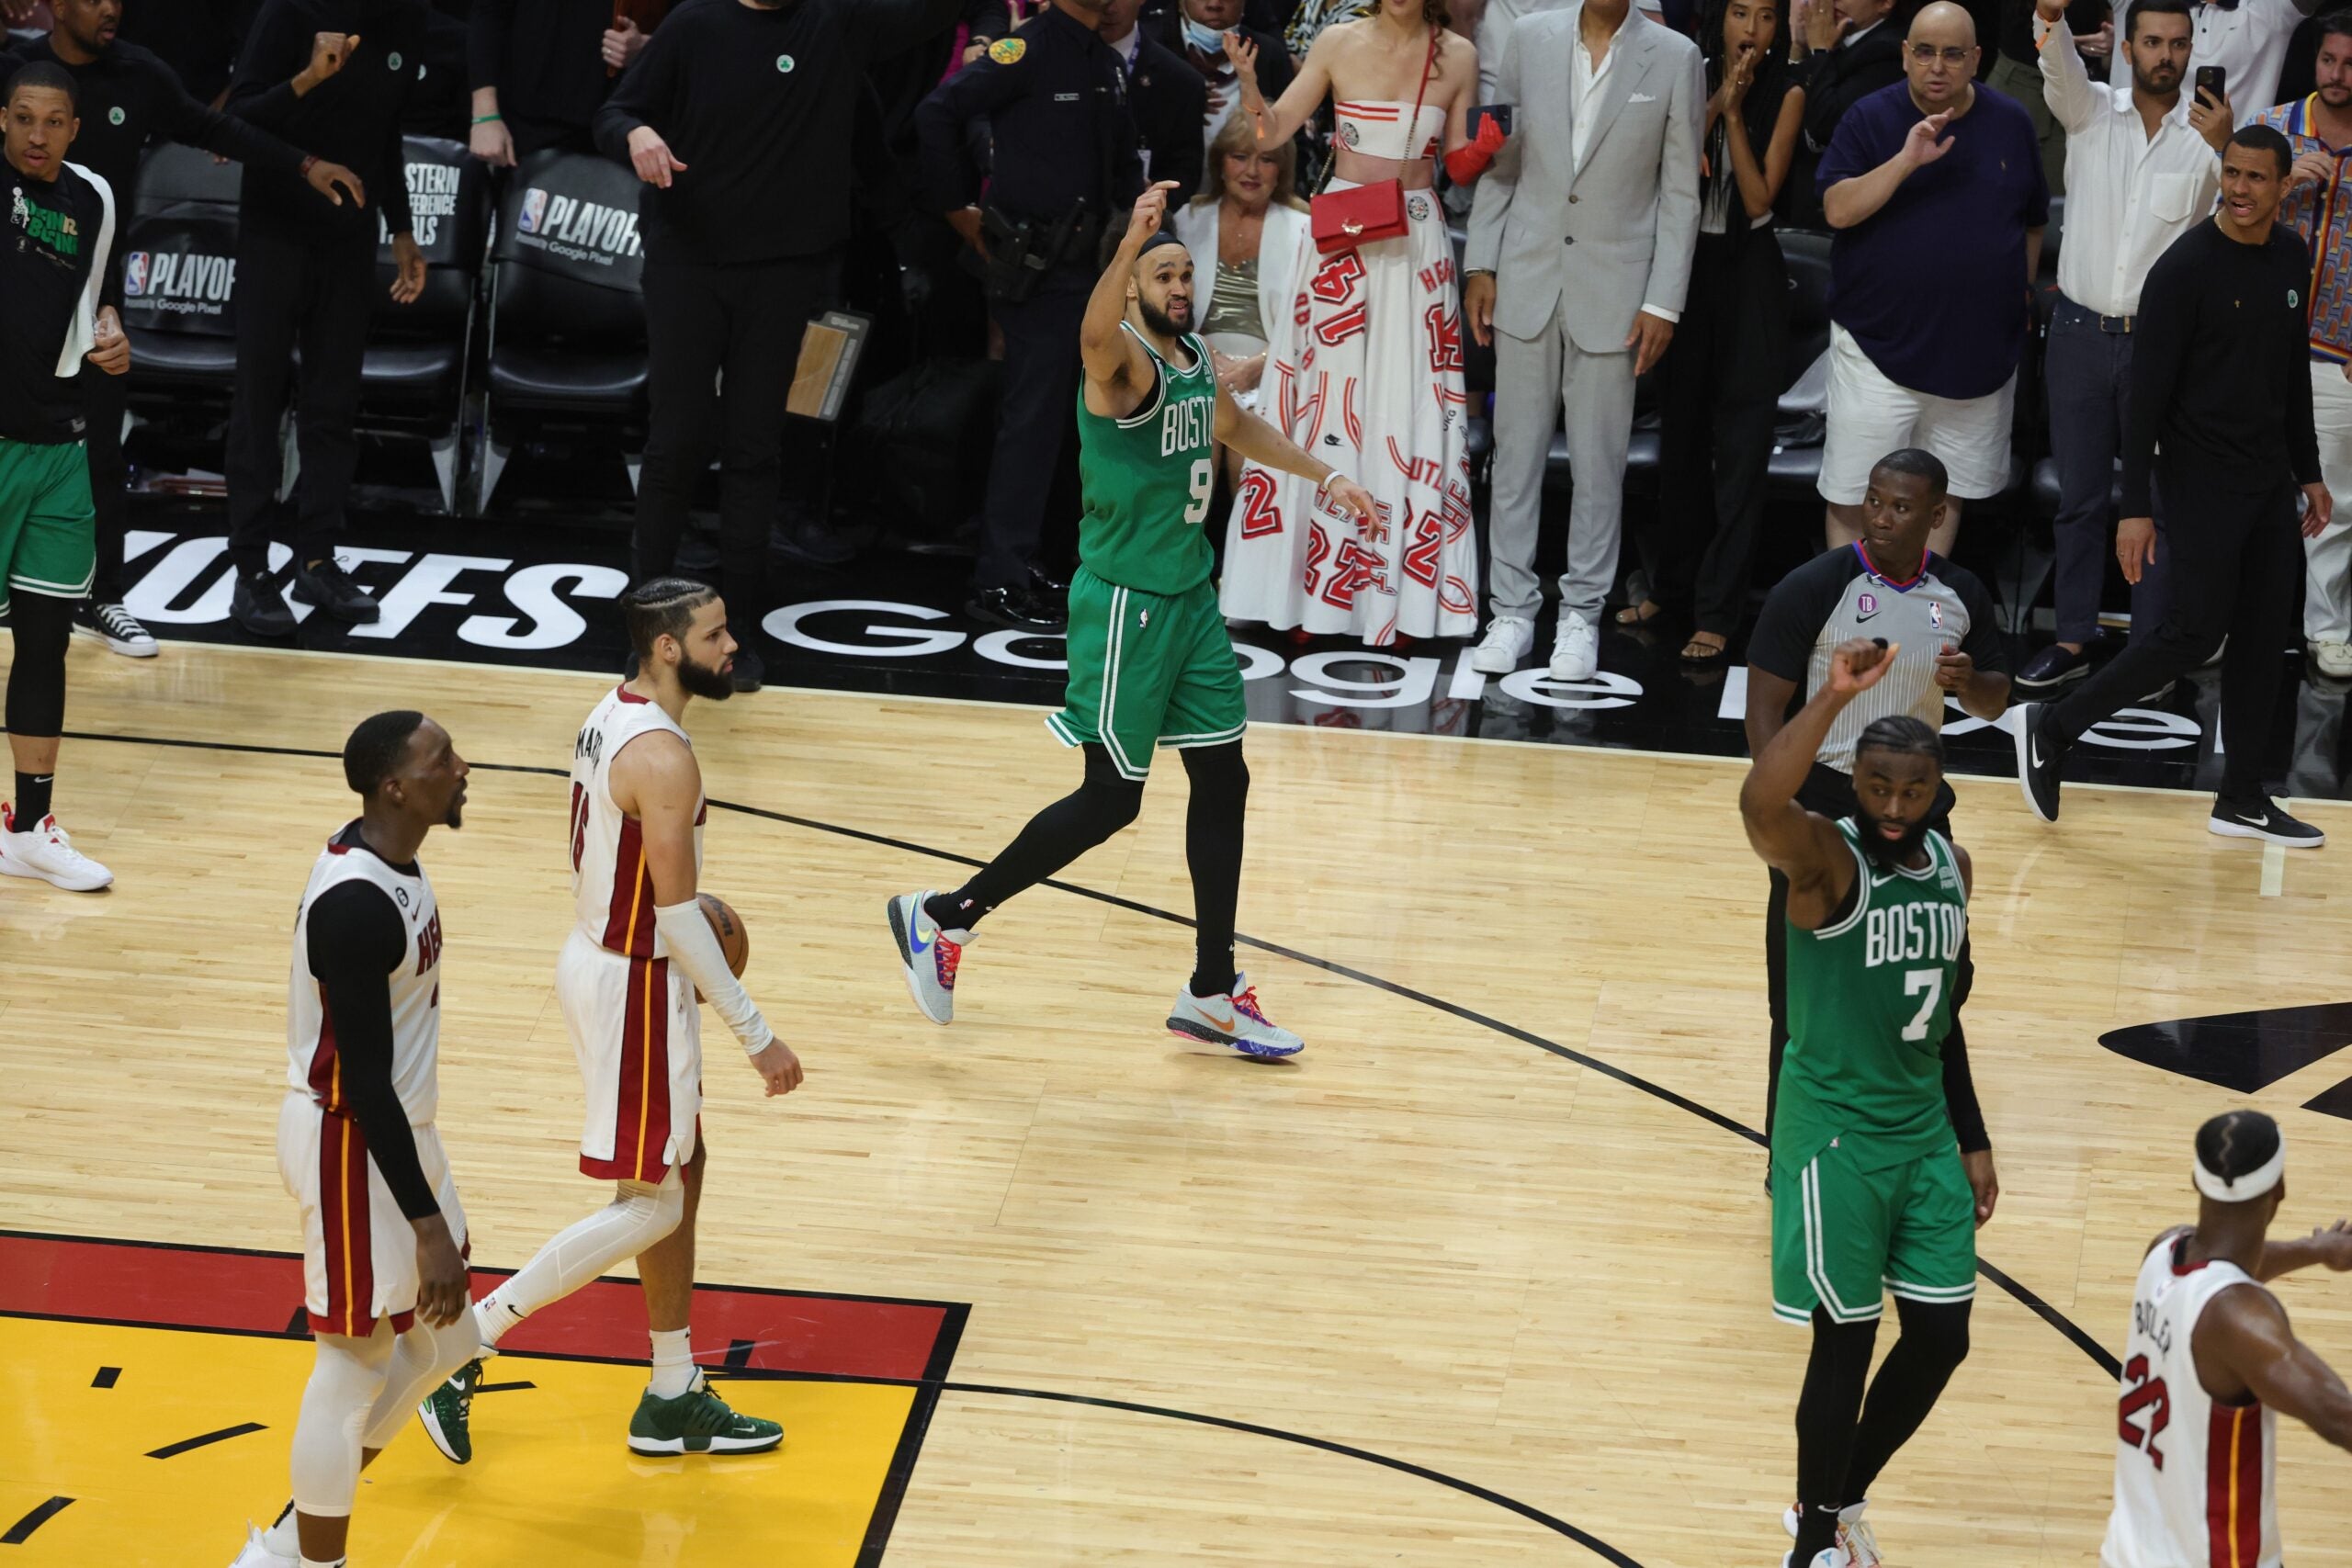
<point x="1105" y="802"/>
<point x="1938" y="1328"/>
<point x="1219" y="776"/>
<point x="41" y="627"/>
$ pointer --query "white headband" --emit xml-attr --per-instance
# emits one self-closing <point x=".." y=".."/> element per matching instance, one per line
<point x="2252" y="1185"/>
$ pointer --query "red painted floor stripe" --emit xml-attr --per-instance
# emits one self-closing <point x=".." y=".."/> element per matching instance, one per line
<point x="198" y="1288"/>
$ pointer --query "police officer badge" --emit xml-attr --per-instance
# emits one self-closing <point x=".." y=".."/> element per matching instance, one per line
<point x="1008" y="51"/>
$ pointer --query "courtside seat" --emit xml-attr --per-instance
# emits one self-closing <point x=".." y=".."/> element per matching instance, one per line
<point x="176" y="234"/>
<point x="567" y="322"/>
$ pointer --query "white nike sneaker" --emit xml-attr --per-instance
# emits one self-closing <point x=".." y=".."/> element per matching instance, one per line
<point x="1576" y="649"/>
<point x="1232" y="1023"/>
<point x="1509" y="639"/>
<point x="929" y="953"/>
<point x="257" y="1554"/>
<point x="46" y="855"/>
<point x="1854" y="1538"/>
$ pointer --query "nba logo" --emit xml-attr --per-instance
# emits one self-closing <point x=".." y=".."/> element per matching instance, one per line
<point x="1935" y="615"/>
<point x="134" y="275"/>
<point x="1867" y="604"/>
<point x="535" y="210"/>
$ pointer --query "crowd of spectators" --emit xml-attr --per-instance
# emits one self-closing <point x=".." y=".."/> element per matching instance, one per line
<point x="1613" y="234"/>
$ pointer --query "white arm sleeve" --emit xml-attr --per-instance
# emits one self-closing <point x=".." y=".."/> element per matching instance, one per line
<point x="694" y="948"/>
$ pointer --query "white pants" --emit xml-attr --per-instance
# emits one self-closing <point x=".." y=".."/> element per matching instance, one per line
<point x="358" y="1249"/>
<point x="1870" y="416"/>
<point x="2327" y="582"/>
<point x="637" y="1035"/>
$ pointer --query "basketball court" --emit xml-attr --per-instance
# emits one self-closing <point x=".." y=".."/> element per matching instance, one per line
<point x="1480" y="1280"/>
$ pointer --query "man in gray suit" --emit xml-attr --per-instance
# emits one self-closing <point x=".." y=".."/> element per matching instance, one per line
<point x="1580" y="242"/>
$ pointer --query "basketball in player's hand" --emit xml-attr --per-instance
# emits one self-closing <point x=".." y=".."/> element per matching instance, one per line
<point x="727" y="927"/>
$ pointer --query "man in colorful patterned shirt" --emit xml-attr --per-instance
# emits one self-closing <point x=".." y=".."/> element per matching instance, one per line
<point x="2319" y="207"/>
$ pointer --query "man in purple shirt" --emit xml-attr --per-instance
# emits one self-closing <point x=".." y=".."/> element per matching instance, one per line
<point x="1936" y="191"/>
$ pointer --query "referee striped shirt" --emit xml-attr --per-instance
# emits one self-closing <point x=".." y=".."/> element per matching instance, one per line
<point x="1837" y="597"/>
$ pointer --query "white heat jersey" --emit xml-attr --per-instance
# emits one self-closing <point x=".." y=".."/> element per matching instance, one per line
<point x="2194" y="1478"/>
<point x="313" y="1065"/>
<point x="610" y="886"/>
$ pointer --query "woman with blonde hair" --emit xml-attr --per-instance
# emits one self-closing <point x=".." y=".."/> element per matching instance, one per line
<point x="1364" y="364"/>
<point x="1245" y="231"/>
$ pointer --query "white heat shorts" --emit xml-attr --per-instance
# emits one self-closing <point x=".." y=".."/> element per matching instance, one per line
<point x="638" y="1034"/>
<point x="358" y="1249"/>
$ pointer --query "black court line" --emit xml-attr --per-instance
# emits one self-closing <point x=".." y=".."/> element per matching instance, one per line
<point x="22" y="1530"/>
<point x="106" y="1378"/>
<point x="481" y="1388"/>
<point x="739" y="1353"/>
<point x="172" y="1451"/>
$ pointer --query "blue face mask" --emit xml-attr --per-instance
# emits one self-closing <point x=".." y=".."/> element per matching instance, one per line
<point x="1208" y="40"/>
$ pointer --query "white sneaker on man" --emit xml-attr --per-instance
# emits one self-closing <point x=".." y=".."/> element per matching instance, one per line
<point x="257" y="1554"/>
<point x="1576" y="649"/>
<point x="45" y="854"/>
<point x="2333" y="659"/>
<point x="1509" y="639"/>
<point x="1854" y="1537"/>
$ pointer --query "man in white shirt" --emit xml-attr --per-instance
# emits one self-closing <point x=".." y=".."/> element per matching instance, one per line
<point x="2247" y="39"/>
<point x="2143" y="167"/>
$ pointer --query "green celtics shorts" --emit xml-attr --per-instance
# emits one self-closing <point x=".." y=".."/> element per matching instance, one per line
<point x="1841" y="1234"/>
<point x="49" y="532"/>
<point x="1147" y="669"/>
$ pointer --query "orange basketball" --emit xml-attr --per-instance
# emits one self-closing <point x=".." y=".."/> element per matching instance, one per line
<point x="727" y="927"/>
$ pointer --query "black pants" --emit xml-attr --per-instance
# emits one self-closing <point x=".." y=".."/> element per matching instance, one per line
<point x="1036" y="424"/>
<point x="1718" y="403"/>
<point x="102" y="404"/>
<point x="722" y="343"/>
<point x="2236" y="560"/>
<point x="296" y="291"/>
<point x="1830" y="793"/>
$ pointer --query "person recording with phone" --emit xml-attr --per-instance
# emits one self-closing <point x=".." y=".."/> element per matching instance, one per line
<point x="2220" y="418"/>
<point x="2144" y="167"/>
<point x="334" y="76"/>
<point x="2245" y="40"/>
<point x="2319" y="207"/>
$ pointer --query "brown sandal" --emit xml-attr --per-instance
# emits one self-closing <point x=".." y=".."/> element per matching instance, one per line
<point x="1640" y="614"/>
<point x="1697" y="652"/>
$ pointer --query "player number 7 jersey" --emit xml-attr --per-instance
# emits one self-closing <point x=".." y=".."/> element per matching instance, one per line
<point x="611" y="889"/>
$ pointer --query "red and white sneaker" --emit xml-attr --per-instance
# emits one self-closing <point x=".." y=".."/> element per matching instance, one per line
<point x="1234" y="1022"/>
<point x="929" y="955"/>
<point x="1855" y="1539"/>
<point x="46" y="855"/>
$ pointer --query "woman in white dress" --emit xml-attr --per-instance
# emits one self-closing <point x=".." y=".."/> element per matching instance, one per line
<point x="1244" y="230"/>
<point x="1364" y="363"/>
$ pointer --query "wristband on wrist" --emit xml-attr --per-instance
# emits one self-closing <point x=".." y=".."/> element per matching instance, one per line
<point x="488" y="119"/>
<point x="310" y="162"/>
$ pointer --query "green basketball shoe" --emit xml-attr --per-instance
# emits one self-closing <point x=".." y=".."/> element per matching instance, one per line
<point x="446" y="1410"/>
<point x="697" y="1422"/>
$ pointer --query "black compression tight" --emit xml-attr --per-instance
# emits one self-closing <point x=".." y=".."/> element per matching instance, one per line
<point x="1102" y="804"/>
<point x="43" y="626"/>
<point x="1844" y="1440"/>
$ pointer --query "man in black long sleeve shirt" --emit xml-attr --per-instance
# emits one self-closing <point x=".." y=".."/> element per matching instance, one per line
<point x="385" y="1285"/>
<point x="740" y="116"/>
<point x="540" y="71"/>
<point x="1054" y="100"/>
<point x="128" y="97"/>
<point x="333" y="77"/>
<point x="2219" y="416"/>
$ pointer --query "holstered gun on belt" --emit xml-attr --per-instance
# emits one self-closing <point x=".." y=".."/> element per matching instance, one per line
<point x="1021" y="252"/>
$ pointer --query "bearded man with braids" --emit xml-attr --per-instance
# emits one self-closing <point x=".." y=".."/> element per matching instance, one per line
<point x="2210" y="1363"/>
<point x="1870" y="1187"/>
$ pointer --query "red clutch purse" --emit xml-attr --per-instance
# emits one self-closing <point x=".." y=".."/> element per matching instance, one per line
<point x="1365" y="215"/>
<point x="1342" y="220"/>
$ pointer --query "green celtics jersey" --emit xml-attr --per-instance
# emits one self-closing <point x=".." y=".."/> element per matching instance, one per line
<point x="1869" y="1003"/>
<point x="1147" y="478"/>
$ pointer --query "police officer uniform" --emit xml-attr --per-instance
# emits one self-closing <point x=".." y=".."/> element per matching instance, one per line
<point x="129" y="96"/>
<point x="1065" y="168"/>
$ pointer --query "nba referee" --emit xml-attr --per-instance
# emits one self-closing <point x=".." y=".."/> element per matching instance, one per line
<point x="1887" y="584"/>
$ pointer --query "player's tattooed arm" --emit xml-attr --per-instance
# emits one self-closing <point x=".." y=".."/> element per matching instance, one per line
<point x="1259" y="441"/>
<point x="1806" y="848"/>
